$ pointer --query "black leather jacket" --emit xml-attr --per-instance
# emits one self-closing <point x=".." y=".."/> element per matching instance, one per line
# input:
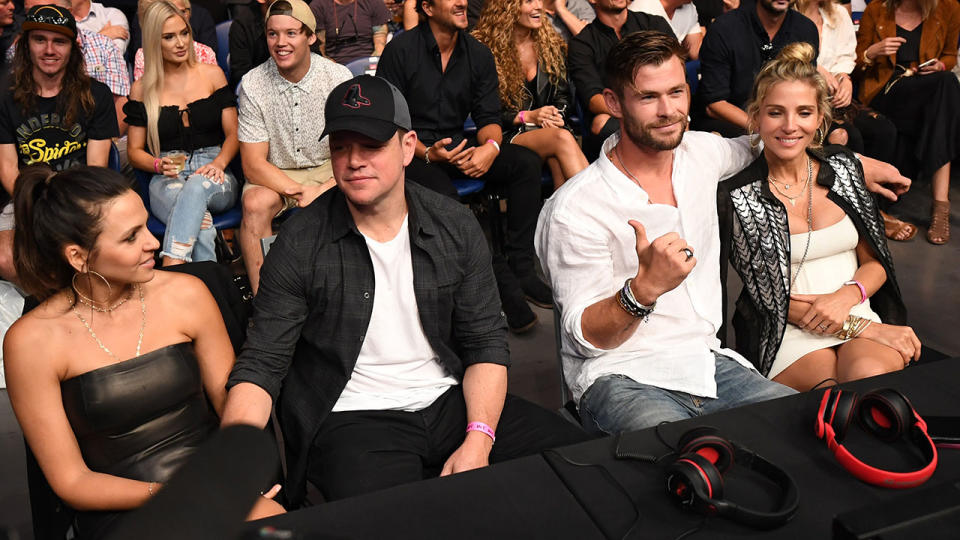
<point x="557" y="95"/>
<point x="755" y="238"/>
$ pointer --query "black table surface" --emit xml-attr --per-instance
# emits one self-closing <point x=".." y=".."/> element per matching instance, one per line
<point x="583" y="491"/>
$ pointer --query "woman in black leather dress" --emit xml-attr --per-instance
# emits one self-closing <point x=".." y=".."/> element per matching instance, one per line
<point x="534" y="94"/>
<point x="118" y="375"/>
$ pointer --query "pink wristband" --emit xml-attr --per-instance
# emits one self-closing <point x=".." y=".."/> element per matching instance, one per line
<point x="156" y="165"/>
<point x="863" y="291"/>
<point x="482" y="428"/>
<point x="522" y="114"/>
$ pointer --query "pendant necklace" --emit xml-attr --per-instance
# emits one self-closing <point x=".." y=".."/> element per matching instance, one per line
<point x="791" y="200"/>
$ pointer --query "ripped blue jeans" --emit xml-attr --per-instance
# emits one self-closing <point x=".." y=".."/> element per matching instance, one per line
<point x="185" y="204"/>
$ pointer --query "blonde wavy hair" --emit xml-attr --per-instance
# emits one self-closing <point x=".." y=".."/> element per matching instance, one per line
<point x="794" y="63"/>
<point x="152" y="20"/>
<point x="495" y="30"/>
<point x="829" y="7"/>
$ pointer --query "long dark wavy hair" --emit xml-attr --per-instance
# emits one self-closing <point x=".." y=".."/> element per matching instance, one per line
<point x="75" y="97"/>
<point x="54" y="210"/>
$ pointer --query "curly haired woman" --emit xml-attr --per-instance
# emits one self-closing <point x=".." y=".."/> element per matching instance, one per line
<point x="533" y="82"/>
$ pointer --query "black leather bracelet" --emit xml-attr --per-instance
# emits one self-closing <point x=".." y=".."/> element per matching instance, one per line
<point x="630" y="304"/>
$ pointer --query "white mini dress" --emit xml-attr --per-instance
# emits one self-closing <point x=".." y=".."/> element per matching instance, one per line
<point x="831" y="260"/>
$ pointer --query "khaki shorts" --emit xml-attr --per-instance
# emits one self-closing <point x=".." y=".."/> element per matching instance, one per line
<point x="311" y="176"/>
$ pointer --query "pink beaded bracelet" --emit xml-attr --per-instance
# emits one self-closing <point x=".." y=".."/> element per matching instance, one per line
<point x="863" y="291"/>
<point x="482" y="428"/>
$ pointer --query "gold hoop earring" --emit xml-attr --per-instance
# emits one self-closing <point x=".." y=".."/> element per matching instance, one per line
<point x="820" y="136"/>
<point x="76" y="290"/>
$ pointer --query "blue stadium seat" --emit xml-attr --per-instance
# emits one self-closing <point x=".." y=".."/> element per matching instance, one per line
<point x="113" y="161"/>
<point x="228" y="219"/>
<point x="366" y="65"/>
<point x="223" y="47"/>
<point x="693" y="75"/>
<point x="467" y="186"/>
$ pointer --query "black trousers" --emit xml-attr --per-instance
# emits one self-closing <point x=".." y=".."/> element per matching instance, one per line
<point x="515" y="174"/>
<point x="926" y="112"/>
<point x="870" y="133"/>
<point x="358" y="452"/>
<point x="593" y="144"/>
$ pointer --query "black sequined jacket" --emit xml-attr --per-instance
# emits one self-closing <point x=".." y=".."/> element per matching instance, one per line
<point x="755" y="238"/>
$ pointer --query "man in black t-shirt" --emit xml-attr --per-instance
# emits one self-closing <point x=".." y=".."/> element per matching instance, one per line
<point x="53" y="114"/>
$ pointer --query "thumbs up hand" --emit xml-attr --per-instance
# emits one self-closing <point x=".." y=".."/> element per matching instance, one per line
<point x="663" y="264"/>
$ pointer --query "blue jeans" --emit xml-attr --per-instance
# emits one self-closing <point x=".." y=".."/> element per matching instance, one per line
<point x="617" y="403"/>
<point x="185" y="204"/>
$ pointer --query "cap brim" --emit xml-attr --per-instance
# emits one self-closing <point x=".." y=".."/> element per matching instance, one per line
<point x="380" y="130"/>
<point x="31" y="25"/>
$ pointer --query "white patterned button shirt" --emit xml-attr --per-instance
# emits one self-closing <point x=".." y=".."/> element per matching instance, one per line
<point x="288" y="115"/>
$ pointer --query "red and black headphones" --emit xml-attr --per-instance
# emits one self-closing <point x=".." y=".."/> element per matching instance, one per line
<point x="695" y="479"/>
<point x="888" y="415"/>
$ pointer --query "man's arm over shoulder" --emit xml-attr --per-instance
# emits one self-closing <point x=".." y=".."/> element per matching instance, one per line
<point x="732" y="155"/>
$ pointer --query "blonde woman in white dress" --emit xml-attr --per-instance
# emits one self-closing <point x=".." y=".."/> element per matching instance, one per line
<point x="820" y="299"/>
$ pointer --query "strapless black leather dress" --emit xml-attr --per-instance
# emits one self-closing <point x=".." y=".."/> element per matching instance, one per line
<point x="140" y="419"/>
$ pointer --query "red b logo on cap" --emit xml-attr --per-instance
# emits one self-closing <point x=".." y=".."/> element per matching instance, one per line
<point x="355" y="98"/>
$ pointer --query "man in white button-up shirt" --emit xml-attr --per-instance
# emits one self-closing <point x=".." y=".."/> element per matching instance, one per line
<point x="651" y="196"/>
<point x="646" y="211"/>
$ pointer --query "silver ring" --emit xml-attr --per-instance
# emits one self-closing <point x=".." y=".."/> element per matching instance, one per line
<point x="822" y="327"/>
<point x="689" y="253"/>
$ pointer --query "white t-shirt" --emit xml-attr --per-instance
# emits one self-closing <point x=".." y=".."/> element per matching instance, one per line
<point x="684" y="21"/>
<point x="588" y="250"/>
<point x="397" y="368"/>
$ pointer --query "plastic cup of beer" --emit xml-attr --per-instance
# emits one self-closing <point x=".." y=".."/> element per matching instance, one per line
<point x="179" y="161"/>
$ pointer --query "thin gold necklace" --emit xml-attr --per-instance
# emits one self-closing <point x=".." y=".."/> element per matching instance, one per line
<point x="143" y="323"/>
<point x="793" y="200"/>
<point x="89" y="303"/>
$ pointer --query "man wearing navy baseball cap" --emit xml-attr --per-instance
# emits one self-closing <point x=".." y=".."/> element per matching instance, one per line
<point x="379" y="320"/>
